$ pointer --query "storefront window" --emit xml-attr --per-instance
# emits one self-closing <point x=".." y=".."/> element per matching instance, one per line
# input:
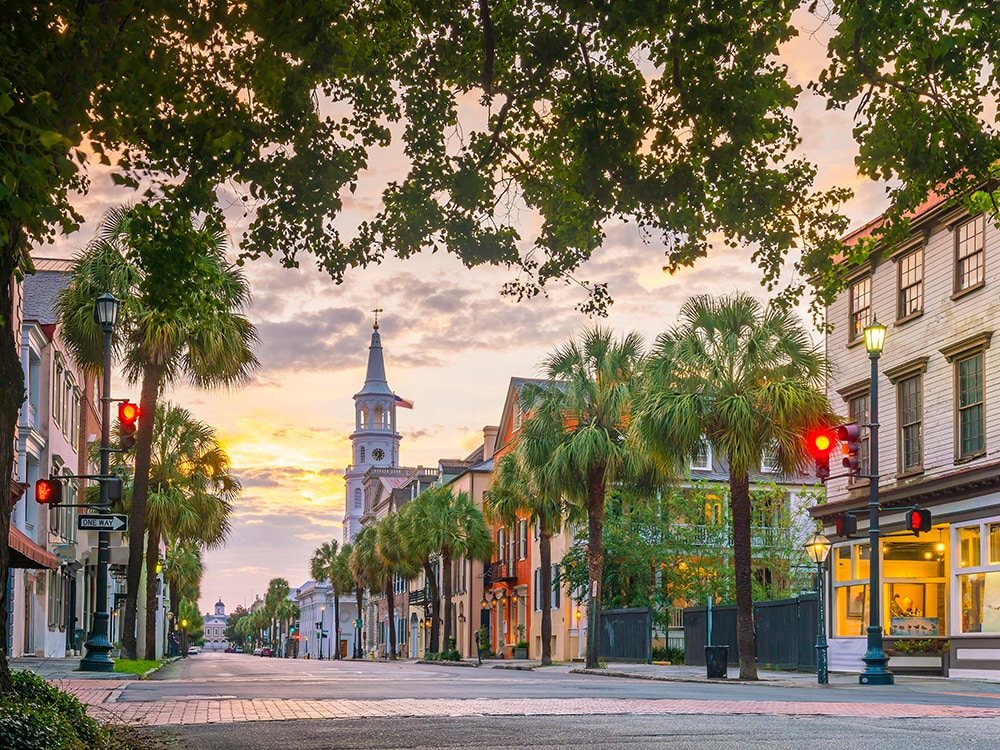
<point x="979" y="584"/>
<point x="968" y="542"/>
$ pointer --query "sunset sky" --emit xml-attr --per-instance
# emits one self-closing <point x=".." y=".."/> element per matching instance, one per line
<point x="451" y="345"/>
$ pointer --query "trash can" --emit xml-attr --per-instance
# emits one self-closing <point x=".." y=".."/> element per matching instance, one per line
<point x="717" y="660"/>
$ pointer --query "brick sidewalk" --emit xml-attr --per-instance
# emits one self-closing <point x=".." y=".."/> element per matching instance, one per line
<point x="103" y="701"/>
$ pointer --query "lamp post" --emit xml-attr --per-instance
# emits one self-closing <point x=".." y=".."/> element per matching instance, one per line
<point x="876" y="671"/>
<point x="98" y="646"/>
<point x="818" y="548"/>
<point x="322" y="625"/>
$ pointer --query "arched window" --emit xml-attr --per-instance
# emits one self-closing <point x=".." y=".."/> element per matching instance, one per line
<point x="363" y="415"/>
<point x="379" y="417"/>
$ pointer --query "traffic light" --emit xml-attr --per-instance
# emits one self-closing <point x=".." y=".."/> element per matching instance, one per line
<point x="48" y="491"/>
<point x="128" y="418"/>
<point x="819" y="444"/>
<point x="849" y="436"/>
<point x="918" y="520"/>
<point x="114" y="489"/>
<point x="846" y="524"/>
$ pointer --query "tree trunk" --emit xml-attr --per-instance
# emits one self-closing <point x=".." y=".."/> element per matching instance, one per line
<point x="336" y="623"/>
<point x="435" y="597"/>
<point x="446" y="592"/>
<point x="11" y="398"/>
<point x="595" y="559"/>
<point x="739" y="501"/>
<point x="390" y="599"/>
<point x="151" y="378"/>
<point x="152" y="556"/>
<point x="545" y="561"/>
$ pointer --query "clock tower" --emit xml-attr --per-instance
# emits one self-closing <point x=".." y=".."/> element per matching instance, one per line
<point x="374" y="442"/>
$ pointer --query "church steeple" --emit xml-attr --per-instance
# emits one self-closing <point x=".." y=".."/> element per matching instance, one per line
<point x="374" y="442"/>
<point x="375" y="382"/>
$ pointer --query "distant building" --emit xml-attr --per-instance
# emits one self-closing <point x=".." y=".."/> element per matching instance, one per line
<point x="215" y="629"/>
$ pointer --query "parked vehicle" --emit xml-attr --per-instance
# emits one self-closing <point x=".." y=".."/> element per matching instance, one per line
<point x="256" y="651"/>
<point x="192" y="650"/>
<point x="238" y="650"/>
<point x="266" y="652"/>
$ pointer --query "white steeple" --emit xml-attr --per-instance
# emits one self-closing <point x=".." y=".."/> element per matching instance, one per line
<point x="374" y="441"/>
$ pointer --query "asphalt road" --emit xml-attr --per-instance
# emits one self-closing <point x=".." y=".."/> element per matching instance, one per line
<point x="409" y="705"/>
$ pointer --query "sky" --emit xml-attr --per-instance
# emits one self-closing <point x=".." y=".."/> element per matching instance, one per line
<point x="451" y="344"/>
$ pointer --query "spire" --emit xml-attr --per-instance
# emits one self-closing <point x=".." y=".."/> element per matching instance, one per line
<point x="375" y="382"/>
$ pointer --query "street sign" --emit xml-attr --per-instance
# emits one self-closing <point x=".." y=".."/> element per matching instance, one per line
<point x="102" y="522"/>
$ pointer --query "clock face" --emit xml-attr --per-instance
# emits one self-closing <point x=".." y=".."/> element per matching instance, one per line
<point x="378" y="454"/>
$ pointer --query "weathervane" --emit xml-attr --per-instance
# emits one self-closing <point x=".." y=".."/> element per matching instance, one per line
<point x="377" y="310"/>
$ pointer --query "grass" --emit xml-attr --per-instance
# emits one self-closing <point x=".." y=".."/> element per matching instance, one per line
<point x="137" y="666"/>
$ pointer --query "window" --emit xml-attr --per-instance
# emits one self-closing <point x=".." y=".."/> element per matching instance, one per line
<point x="357" y="498"/>
<point x="57" y="394"/>
<point x="522" y="539"/>
<point x="978" y="575"/>
<point x="701" y="459"/>
<point x="970" y="242"/>
<point x="769" y="460"/>
<point x="857" y="409"/>
<point x="911" y="284"/>
<point x="911" y="413"/>
<point x="501" y="548"/>
<point x="361" y="459"/>
<point x="556" y="593"/>
<point x="971" y="429"/>
<point x="861" y="307"/>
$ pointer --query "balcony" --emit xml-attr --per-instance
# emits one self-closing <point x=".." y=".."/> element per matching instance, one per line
<point x="420" y="598"/>
<point x="499" y="571"/>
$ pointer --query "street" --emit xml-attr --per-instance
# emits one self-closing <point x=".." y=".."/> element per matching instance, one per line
<point x="241" y="701"/>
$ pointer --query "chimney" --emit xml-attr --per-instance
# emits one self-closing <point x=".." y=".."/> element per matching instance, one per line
<point x="489" y="441"/>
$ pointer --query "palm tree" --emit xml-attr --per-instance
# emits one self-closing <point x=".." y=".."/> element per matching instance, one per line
<point x="277" y="593"/>
<point x="191" y="494"/>
<point x="746" y="378"/>
<point x="418" y="547"/>
<point x="368" y="569"/>
<point x="398" y="562"/>
<point x="453" y="527"/>
<point x="519" y="488"/>
<point x="586" y="404"/>
<point x="182" y="571"/>
<point x="330" y="563"/>
<point x="179" y="318"/>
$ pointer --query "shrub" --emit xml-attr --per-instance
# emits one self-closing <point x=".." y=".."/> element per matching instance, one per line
<point x="31" y="688"/>
<point x="26" y="725"/>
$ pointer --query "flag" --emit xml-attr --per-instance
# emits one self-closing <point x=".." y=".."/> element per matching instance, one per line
<point x="403" y="402"/>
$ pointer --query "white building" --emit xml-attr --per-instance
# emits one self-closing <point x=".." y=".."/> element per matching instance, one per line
<point x="215" y="629"/>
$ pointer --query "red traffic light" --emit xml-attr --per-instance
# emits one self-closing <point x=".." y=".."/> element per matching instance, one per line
<point x="128" y="417"/>
<point x="48" y="491"/>
<point x="819" y="444"/>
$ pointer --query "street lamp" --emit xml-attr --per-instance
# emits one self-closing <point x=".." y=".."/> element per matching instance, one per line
<point x="818" y="548"/>
<point x="98" y="645"/>
<point x="876" y="671"/>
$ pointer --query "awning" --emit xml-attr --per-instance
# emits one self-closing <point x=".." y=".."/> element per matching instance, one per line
<point x="24" y="553"/>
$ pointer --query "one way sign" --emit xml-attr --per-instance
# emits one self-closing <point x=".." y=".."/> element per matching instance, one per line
<point x="102" y="522"/>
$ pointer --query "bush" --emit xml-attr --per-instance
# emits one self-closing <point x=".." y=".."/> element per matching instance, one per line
<point x="671" y="654"/>
<point x="38" y="716"/>
<point x="31" y="688"/>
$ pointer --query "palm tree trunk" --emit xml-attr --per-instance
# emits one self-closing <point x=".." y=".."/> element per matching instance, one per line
<point x="390" y="599"/>
<point x="739" y="500"/>
<point x="152" y="555"/>
<point x="446" y="586"/>
<point x="545" y="561"/>
<point x="595" y="559"/>
<point x="431" y="577"/>
<point x="11" y="397"/>
<point x="151" y="377"/>
<point x="336" y="623"/>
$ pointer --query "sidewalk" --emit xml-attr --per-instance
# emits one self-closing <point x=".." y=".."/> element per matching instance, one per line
<point x="54" y="668"/>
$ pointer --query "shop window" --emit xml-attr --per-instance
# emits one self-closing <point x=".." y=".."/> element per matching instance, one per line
<point x="968" y="546"/>
<point x="979" y="583"/>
